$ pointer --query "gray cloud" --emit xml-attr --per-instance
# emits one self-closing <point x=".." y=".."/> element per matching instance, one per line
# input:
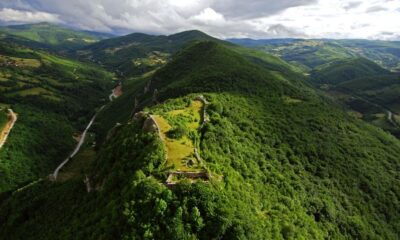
<point x="376" y="9"/>
<point x="281" y="31"/>
<point x="387" y="36"/>
<point x="16" y="4"/>
<point x="256" y="8"/>
<point x="358" y="25"/>
<point x="352" y="5"/>
<point x="388" y="33"/>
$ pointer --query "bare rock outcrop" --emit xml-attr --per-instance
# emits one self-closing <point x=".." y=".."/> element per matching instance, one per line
<point x="150" y="125"/>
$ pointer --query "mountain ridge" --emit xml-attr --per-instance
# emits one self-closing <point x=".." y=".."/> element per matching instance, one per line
<point x="54" y="36"/>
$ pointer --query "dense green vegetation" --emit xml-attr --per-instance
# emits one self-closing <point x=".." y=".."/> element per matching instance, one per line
<point x="286" y="162"/>
<point x="54" y="97"/>
<point x="366" y="88"/>
<point x="383" y="89"/>
<point x="53" y="36"/>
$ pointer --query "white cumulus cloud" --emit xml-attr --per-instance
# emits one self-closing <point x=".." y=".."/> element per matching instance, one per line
<point x="18" y="16"/>
<point x="221" y="18"/>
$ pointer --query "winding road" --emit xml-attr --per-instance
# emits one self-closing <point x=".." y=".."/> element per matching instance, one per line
<point x="78" y="146"/>
<point x="7" y="129"/>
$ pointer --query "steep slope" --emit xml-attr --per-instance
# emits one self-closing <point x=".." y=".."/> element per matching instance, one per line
<point x="54" y="98"/>
<point x="284" y="163"/>
<point x="138" y="53"/>
<point x="54" y="36"/>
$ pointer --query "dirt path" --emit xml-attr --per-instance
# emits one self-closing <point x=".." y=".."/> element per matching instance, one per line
<point x="7" y="129"/>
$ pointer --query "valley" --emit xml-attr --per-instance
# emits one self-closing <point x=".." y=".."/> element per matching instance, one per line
<point x="34" y="83"/>
<point x="82" y="139"/>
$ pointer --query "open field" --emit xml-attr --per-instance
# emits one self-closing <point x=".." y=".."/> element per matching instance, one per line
<point x="180" y="148"/>
<point x="153" y="59"/>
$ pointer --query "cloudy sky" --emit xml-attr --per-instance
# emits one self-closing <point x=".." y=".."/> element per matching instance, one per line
<point x="372" y="19"/>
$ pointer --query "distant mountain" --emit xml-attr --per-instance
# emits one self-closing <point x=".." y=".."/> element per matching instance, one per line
<point x="384" y="90"/>
<point x="314" y="52"/>
<point x="137" y="53"/>
<point x="248" y="42"/>
<point x="54" y="36"/>
<point x="385" y="53"/>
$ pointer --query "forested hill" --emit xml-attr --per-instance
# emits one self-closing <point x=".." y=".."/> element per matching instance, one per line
<point x="137" y="53"/>
<point x="346" y="69"/>
<point x="282" y="162"/>
<point x="360" y="74"/>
